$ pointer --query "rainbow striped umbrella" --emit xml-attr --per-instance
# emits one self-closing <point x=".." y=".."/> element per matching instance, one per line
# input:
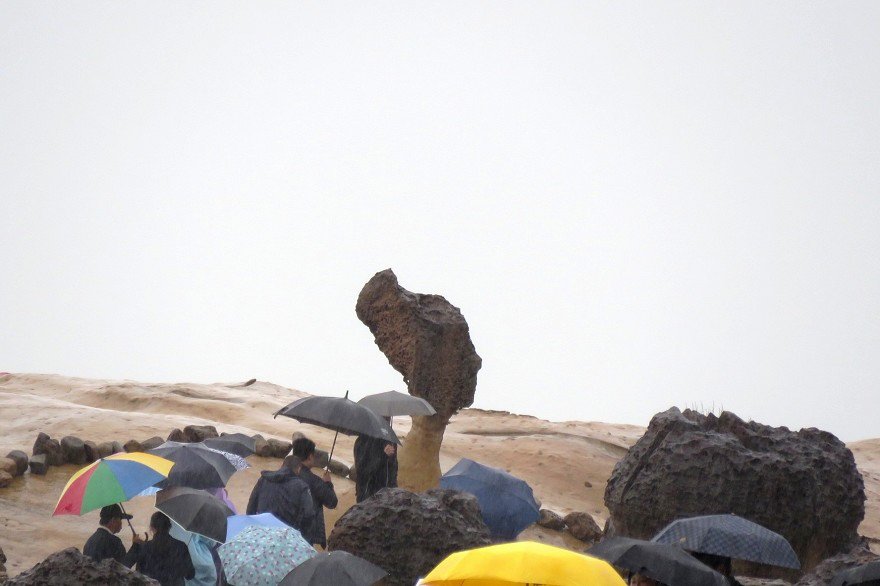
<point x="111" y="480"/>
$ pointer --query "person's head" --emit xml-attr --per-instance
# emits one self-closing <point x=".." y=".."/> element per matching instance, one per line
<point x="111" y="518"/>
<point x="160" y="524"/>
<point x="304" y="449"/>
<point x="720" y="564"/>
<point x="642" y="580"/>
<point x="292" y="463"/>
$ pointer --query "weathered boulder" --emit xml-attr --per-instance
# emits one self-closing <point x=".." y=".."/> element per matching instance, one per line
<point x="177" y="435"/>
<point x="407" y="534"/>
<point x="822" y="574"/>
<point x="153" y="442"/>
<point x="21" y="460"/>
<point x="38" y="464"/>
<point x="338" y="468"/>
<point x="70" y="567"/>
<point x="91" y="449"/>
<point x="582" y="526"/>
<point x="426" y="339"/>
<point x="105" y="449"/>
<point x="278" y="448"/>
<point x="261" y="446"/>
<point x="74" y="450"/>
<point x="9" y="466"/>
<point x="197" y="433"/>
<point x="133" y="445"/>
<point x="803" y="485"/>
<point x="50" y="447"/>
<point x="5" y="479"/>
<point x="321" y="459"/>
<point x="550" y="520"/>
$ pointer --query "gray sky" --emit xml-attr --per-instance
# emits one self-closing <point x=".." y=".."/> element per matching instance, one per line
<point x="634" y="205"/>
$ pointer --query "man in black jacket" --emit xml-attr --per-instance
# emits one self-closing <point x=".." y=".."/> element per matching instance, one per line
<point x="284" y="494"/>
<point x="104" y="544"/>
<point x="321" y="488"/>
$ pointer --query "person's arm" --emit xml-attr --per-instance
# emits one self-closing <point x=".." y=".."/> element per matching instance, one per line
<point x="133" y="556"/>
<point x="323" y="491"/>
<point x="306" y="507"/>
<point x="252" y="502"/>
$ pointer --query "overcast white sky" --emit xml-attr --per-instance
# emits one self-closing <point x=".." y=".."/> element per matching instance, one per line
<point x="635" y="205"/>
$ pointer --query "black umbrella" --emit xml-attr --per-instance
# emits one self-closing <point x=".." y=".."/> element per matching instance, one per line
<point x="235" y="443"/>
<point x="392" y="403"/>
<point x="339" y="568"/>
<point x="195" y="466"/>
<point x="341" y="415"/>
<point x="195" y="510"/>
<point x="665" y="563"/>
<point x="865" y="575"/>
<point x="729" y="536"/>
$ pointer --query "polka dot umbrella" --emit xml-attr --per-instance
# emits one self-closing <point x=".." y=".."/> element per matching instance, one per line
<point x="263" y="556"/>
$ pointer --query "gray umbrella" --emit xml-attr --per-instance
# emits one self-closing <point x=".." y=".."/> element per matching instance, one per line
<point x="235" y="443"/>
<point x="195" y="465"/>
<point x="668" y="564"/>
<point x="339" y="568"/>
<point x="393" y="403"/>
<point x="195" y="510"/>
<point x="865" y="575"/>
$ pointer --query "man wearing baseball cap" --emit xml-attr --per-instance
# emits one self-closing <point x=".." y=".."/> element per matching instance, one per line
<point x="104" y="544"/>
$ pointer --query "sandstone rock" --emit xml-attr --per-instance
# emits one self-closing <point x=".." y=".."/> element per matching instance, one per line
<point x="5" y="479"/>
<point x="824" y="572"/>
<point x="803" y="485"/>
<point x="38" y="464"/>
<point x="9" y="466"/>
<point x="262" y="447"/>
<point x="50" y="447"/>
<point x="21" y="460"/>
<point x="91" y="449"/>
<point x="426" y="339"/>
<point x="74" y="450"/>
<point x="176" y="435"/>
<point x="153" y="442"/>
<point x="70" y="567"/>
<point x="582" y="526"/>
<point x="105" y="449"/>
<point x="338" y="468"/>
<point x="551" y="520"/>
<point x="197" y="433"/>
<point x="407" y="534"/>
<point x="278" y="448"/>
<point x="133" y="445"/>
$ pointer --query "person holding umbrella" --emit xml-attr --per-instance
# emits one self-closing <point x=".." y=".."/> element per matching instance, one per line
<point x="164" y="558"/>
<point x="321" y="488"/>
<point x="284" y="494"/>
<point x="375" y="462"/>
<point x="104" y="543"/>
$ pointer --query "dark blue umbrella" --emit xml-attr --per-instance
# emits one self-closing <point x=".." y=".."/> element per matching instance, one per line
<point x="507" y="503"/>
<point x="730" y="536"/>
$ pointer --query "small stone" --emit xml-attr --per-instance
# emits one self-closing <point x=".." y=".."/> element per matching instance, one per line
<point x="551" y="520"/>
<point x="582" y="526"/>
<point x="198" y="433"/>
<point x="92" y="453"/>
<point x="279" y="448"/>
<point x="50" y="447"/>
<point x="74" y="450"/>
<point x="38" y="464"/>
<point x="262" y="448"/>
<point x="339" y="468"/>
<point x="153" y="442"/>
<point x="118" y="448"/>
<point x="588" y="484"/>
<point x="105" y="449"/>
<point x="5" y="479"/>
<point x="21" y="460"/>
<point x="9" y="466"/>
<point x="133" y="446"/>
<point x="176" y="435"/>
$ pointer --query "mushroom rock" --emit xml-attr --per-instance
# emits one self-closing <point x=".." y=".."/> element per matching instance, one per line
<point x="426" y="339"/>
<point x="407" y="534"/>
<point x="803" y="485"/>
<point x="69" y="566"/>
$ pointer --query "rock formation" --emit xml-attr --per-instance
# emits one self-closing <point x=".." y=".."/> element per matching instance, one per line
<point x="550" y="520"/>
<point x="803" y="485"/>
<point x="824" y="572"/>
<point x="50" y="447"/>
<point x="198" y="433"/>
<point x="407" y="534"/>
<point x="21" y="460"/>
<point x="582" y="526"/>
<point x="74" y="450"/>
<point x="426" y="339"/>
<point x="70" y="567"/>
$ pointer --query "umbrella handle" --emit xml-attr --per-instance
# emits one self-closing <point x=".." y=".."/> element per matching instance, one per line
<point x="133" y="532"/>
<point x="333" y="447"/>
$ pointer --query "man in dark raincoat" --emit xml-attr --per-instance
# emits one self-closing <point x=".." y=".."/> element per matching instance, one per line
<point x="105" y="544"/>
<point x="321" y="488"/>
<point x="375" y="462"/>
<point x="284" y="494"/>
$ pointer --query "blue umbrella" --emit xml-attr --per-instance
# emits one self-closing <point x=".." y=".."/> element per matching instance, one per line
<point x="507" y="502"/>
<point x="235" y="523"/>
<point x="263" y="556"/>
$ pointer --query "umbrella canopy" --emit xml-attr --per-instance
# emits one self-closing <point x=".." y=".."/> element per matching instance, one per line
<point x="339" y="568"/>
<point x="393" y="403"/>
<point x="234" y="443"/>
<point x="522" y="562"/>
<point x="665" y="563"/>
<point x="263" y="556"/>
<point x="866" y="575"/>
<point x="195" y="510"/>
<point x="238" y="461"/>
<point x="195" y="465"/>
<point x="111" y="480"/>
<point x="339" y="414"/>
<point x="730" y="536"/>
<point x="507" y="502"/>
<point x="236" y="523"/>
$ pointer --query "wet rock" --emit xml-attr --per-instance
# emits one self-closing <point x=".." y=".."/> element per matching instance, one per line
<point x="38" y="464"/>
<point x="582" y="526"/>
<point x="9" y="466"/>
<point x="73" y="450"/>
<point x="133" y="445"/>
<point x="69" y="567"/>
<point x="278" y="448"/>
<point x="803" y="485"/>
<point x="50" y="447"/>
<point x="822" y="574"/>
<point x="338" y="468"/>
<point x="21" y="460"/>
<point x="261" y="447"/>
<point x="153" y="442"/>
<point x="118" y="448"/>
<point x="426" y="339"/>
<point x="197" y="433"/>
<point x="322" y="458"/>
<point x="105" y="449"/>
<point x="177" y="435"/>
<point x="550" y="520"/>
<point x="5" y="479"/>
<point x="91" y="449"/>
<point x="407" y="534"/>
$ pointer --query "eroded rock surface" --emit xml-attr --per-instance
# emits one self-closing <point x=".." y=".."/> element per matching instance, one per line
<point x="69" y="568"/>
<point x="824" y="572"/>
<point x="407" y="533"/>
<point x="427" y="340"/>
<point x="803" y="485"/>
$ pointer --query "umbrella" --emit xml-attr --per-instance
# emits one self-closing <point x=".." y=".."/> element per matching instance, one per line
<point x="522" y="562"/>
<point x="263" y="556"/>
<point x="235" y="443"/>
<point x="665" y="563"/>
<point x="730" y="536"/>
<point x="339" y="568"/>
<point x="196" y="466"/>
<point x="866" y="575"/>
<point x="393" y="403"/>
<point x="341" y="415"/>
<point x="507" y="503"/>
<point x="236" y="523"/>
<point x="195" y="510"/>
<point x="239" y="462"/>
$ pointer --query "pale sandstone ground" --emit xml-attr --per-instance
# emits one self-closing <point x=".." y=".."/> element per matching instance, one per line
<point x="555" y="458"/>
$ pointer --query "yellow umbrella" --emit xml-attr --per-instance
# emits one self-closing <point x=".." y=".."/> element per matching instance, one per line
<point x="524" y="563"/>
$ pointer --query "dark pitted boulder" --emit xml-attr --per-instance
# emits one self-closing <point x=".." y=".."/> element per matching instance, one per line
<point x="804" y="485"/>
<point x="407" y="534"/>
<point x="133" y="445"/>
<point x="74" y="450"/>
<point x="38" y="464"/>
<point x="426" y="339"/>
<point x="197" y="433"/>
<point x="21" y="460"/>
<point x="69" y="568"/>
<point x="91" y="451"/>
<point x="582" y="526"/>
<point x="550" y="520"/>
<point x="822" y="574"/>
<point x="177" y="435"/>
<point x="278" y="448"/>
<point x="153" y="442"/>
<point x="51" y="448"/>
